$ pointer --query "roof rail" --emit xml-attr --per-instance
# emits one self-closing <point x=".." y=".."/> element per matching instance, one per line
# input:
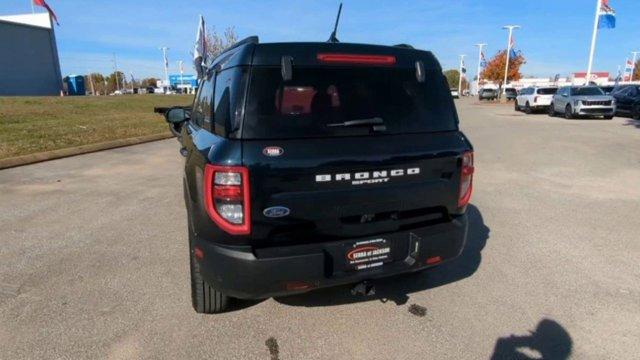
<point x="405" y="46"/>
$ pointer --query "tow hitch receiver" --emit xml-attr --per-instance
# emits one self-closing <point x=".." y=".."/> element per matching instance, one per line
<point x="364" y="288"/>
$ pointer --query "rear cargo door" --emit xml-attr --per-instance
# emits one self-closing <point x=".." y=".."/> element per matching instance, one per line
<point x="342" y="152"/>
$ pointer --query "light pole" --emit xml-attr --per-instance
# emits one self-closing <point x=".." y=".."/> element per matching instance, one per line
<point x="181" y="67"/>
<point x="460" y="77"/>
<point x="633" y="64"/>
<point x="506" y="66"/>
<point x="166" y="67"/>
<point x="480" y="46"/>
<point x="115" y="66"/>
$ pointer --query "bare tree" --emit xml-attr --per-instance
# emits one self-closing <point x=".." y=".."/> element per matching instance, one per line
<point x="217" y="43"/>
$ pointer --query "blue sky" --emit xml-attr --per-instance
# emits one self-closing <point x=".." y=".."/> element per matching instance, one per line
<point x="554" y="38"/>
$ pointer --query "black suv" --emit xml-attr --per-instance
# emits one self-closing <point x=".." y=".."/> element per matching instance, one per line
<point x="310" y="165"/>
<point x="628" y="101"/>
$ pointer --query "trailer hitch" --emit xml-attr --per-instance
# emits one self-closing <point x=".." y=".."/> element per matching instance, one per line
<point x="364" y="288"/>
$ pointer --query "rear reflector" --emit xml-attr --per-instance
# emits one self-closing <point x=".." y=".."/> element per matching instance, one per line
<point x="466" y="179"/>
<point x="433" y="260"/>
<point x="199" y="254"/>
<point x="357" y="59"/>
<point x="297" y="285"/>
<point x="226" y="198"/>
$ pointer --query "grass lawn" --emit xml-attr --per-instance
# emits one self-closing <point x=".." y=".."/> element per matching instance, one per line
<point x="35" y="124"/>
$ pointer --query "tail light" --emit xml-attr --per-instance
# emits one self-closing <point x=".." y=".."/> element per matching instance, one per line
<point x="226" y="197"/>
<point x="535" y="99"/>
<point x="357" y="59"/>
<point x="466" y="179"/>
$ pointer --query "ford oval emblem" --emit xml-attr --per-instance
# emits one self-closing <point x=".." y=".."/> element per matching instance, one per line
<point x="276" y="211"/>
<point x="273" y="151"/>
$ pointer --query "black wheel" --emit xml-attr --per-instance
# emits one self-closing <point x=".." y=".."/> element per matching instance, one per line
<point x="527" y="108"/>
<point x="568" y="113"/>
<point x="551" y="110"/>
<point x="515" y="106"/>
<point x="635" y="113"/>
<point x="204" y="297"/>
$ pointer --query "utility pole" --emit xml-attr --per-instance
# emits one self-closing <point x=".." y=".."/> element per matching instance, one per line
<point x="480" y="46"/>
<point x="506" y="66"/>
<point x="633" y="65"/>
<point x="593" y="42"/>
<point x="115" y="66"/>
<point x="460" y="77"/>
<point x="181" y="74"/>
<point x="166" y="67"/>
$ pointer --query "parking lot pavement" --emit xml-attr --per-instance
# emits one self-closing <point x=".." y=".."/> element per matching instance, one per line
<point x="93" y="260"/>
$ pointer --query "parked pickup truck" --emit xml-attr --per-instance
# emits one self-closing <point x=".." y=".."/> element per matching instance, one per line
<point x="310" y="165"/>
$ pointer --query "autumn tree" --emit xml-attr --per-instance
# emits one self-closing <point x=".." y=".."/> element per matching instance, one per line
<point x="636" y="71"/>
<point x="217" y="43"/>
<point x="494" y="71"/>
<point x="453" y="77"/>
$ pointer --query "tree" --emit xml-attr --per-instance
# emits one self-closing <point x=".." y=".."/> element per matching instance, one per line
<point x="453" y="78"/>
<point x="636" y="71"/>
<point x="494" y="71"/>
<point x="217" y="43"/>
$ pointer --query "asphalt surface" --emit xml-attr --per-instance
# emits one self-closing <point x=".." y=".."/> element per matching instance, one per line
<point x="94" y="261"/>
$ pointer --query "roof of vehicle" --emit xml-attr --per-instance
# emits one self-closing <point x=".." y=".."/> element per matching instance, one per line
<point x="251" y="52"/>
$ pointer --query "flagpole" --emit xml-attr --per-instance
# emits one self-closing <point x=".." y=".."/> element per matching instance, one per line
<point x="506" y="65"/>
<point x="593" y="41"/>
<point x="479" y="62"/>
<point x="460" y="77"/>
<point x="633" y="65"/>
<point x="33" y="8"/>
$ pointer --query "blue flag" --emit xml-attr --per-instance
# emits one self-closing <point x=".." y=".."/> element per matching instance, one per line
<point x="606" y="16"/>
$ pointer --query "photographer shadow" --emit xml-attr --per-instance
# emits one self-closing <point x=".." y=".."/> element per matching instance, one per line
<point x="549" y="341"/>
<point x="398" y="288"/>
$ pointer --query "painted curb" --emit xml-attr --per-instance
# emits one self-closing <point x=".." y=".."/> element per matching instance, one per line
<point x="78" y="150"/>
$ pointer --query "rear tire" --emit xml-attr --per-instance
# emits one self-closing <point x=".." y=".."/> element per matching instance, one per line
<point x="527" y="108"/>
<point x="568" y="112"/>
<point x="635" y="112"/>
<point x="551" y="110"/>
<point x="204" y="297"/>
<point x="515" y="106"/>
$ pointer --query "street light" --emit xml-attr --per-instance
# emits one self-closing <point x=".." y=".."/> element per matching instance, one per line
<point x="460" y="77"/>
<point x="633" y="65"/>
<point x="480" y="46"/>
<point x="506" y="66"/>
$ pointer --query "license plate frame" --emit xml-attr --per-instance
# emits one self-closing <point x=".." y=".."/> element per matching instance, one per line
<point x="367" y="254"/>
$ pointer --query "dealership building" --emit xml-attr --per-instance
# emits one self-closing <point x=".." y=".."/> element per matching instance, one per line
<point x="29" y="63"/>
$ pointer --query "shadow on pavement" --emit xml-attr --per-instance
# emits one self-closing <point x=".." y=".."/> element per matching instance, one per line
<point x="549" y="341"/>
<point x="398" y="288"/>
<point x="631" y="122"/>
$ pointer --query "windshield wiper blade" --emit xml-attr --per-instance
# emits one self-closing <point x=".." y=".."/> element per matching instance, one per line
<point x="359" y="122"/>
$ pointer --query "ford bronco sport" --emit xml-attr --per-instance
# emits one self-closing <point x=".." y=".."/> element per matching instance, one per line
<point x="310" y="165"/>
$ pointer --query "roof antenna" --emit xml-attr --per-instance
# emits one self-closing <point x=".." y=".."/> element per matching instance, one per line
<point x="333" y="38"/>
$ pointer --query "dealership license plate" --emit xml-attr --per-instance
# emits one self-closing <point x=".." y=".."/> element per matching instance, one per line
<point x="367" y="254"/>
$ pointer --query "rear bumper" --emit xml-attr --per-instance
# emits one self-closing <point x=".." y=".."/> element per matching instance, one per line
<point x="248" y="273"/>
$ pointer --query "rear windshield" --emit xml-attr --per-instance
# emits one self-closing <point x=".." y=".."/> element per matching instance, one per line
<point x="317" y="100"/>
<point x="586" y="91"/>
<point x="547" y="91"/>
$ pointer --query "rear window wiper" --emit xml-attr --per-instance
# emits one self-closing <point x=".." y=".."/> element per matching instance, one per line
<point x="359" y="122"/>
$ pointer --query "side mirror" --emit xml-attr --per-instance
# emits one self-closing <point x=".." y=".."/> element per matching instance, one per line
<point x="176" y="115"/>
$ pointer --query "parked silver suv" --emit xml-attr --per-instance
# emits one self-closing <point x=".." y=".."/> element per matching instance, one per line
<point x="574" y="101"/>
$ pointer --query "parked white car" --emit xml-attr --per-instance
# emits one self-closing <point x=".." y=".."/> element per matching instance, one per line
<point x="534" y="98"/>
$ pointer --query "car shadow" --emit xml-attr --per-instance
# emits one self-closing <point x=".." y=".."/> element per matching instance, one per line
<point x="398" y="288"/>
<point x="548" y="341"/>
<point x="631" y="122"/>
